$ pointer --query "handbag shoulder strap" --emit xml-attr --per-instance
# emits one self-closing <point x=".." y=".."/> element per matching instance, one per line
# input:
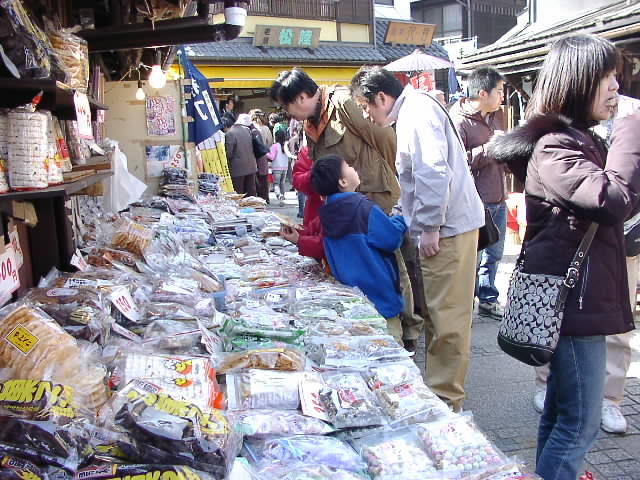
<point x="578" y="258"/>
<point x="573" y="272"/>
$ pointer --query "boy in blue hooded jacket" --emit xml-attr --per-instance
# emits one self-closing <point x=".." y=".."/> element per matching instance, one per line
<point x="359" y="238"/>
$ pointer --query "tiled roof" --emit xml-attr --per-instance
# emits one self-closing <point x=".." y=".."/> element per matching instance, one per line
<point x="242" y="49"/>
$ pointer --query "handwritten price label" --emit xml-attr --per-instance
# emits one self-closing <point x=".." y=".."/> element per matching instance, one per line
<point x="22" y="339"/>
<point x="122" y="300"/>
<point x="9" y="280"/>
<point x="79" y="262"/>
<point x="83" y="115"/>
<point x="15" y="244"/>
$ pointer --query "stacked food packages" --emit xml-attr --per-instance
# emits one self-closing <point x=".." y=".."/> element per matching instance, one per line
<point x="193" y="347"/>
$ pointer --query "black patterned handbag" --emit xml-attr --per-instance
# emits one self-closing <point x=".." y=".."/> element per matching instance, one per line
<point x="530" y="327"/>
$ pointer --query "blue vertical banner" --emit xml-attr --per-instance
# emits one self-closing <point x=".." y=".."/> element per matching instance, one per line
<point x="201" y="106"/>
<point x="206" y="128"/>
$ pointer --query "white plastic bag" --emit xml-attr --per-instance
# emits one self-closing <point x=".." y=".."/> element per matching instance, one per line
<point x="123" y="188"/>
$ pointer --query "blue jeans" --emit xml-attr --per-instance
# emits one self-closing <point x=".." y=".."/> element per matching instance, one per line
<point x="488" y="258"/>
<point x="573" y="406"/>
<point x="301" y="200"/>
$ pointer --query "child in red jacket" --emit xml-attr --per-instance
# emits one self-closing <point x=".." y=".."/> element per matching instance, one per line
<point x="308" y="239"/>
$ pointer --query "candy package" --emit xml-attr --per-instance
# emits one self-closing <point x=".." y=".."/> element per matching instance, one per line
<point x="36" y="399"/>
<point x="354" y="351"/>
<point x="457" y="445"/>
<point x="131" y="236"/>
<point x="396" y="454"/>
<point x="16" y="468"/>
<point x="252" y="342"/>
<point x="343" y="327"/>
<point x="177" y="432"/>
<point x="190" y="379"/>
<point x="308" y="472"/>
<point x="82" y="312"/>
<point x="267" y="325"/>
<point x="306" y="449"/>
<point x="42" y="442"/>
<point x="173" y="336"/>
<point x="119" y="471"/>
<point x="35" y="347"/>
<point x="285" y="359"/>
<point x="259" y="389"/>
<point x="260" y="423"/>
<point x="349" y="402"/>
<point x="403" y="394"/>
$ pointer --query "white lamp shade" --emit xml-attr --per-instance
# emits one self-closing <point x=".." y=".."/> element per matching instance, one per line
<point x="157" y="79"/>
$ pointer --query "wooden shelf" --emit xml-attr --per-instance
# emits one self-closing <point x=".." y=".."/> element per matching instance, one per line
<point x="15" y="92"/>
<point x="57" y="190"/>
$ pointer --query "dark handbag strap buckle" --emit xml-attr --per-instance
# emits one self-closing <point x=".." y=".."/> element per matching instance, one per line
<point x="572" y="277"/>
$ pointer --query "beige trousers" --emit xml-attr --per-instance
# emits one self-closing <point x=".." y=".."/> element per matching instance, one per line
<point x="618" y="348"/>
<point x="412" y="324"/>
<point x="449" y="280"/>
<point x="394" y="327"/>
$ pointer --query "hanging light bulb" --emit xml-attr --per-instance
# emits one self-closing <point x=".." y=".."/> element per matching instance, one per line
<point x="157" y="79"/>
<point x="140" y="92"/>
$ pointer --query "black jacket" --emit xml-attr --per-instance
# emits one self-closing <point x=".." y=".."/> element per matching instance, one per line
<point x="568" y="186"/>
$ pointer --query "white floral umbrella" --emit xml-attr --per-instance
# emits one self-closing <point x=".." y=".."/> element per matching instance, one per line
<point x="418" y="61"/>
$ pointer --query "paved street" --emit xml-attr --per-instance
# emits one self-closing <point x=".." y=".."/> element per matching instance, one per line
<point x="500" y="392"/>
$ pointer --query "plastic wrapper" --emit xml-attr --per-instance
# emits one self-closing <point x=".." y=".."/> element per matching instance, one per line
<point x="108" y="445"/>
<point x="261" y="423"/>
<point x="305" y="449"/>
<point x="457" y="445"/>
<point x="80" y="311"/>
<point x="308" y="472"/>
<point x="404" y="395"/>
<point x="396" y="454"/>
<point x="260" y="389"/>
<point x="131" y="236"/>
<point x="510" y="471"/>
<point x="253" y="342"/>
<point x="354" y="351"/>
<point x="61" y="143"/>
<point x="17" y="468"/>
<point x="36" y="399"/>
<point x="177" y="432"/>
<point x="4" y="152"/>
<point x="54" y="161"/>
<point x="173" y="336"/>
<point x="285" y="359"/>
<point x="42" y="442"/>
<point x="190" y="379"/>
<point x="73" y="53"/>
<point x="28" y="148"/>
<point x="26" y="48"/>
<point x="268" y="324"/>
<point x="117" y="471"/>
<point x="343" y="327"/>
<point x="35" y="347"/>
<point x="349" y="402"/>
<point x="103" y="257"/>
<point x="177" y="290"/>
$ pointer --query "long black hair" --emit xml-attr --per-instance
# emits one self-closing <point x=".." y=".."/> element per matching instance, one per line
<point x="569" y="78"/>
<point x="281" y="137"/>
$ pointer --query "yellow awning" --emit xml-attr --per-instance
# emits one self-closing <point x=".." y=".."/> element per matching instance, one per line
<point x="253" y="76"/>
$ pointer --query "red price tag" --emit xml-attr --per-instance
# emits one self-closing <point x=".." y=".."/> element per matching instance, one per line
<point x="122" y="300"/>
<point x="9" y="280"/>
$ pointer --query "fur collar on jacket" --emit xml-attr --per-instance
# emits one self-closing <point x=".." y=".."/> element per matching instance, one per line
<point x="516" y="147"/>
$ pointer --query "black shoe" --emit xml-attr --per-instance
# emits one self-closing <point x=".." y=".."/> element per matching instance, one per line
<point x="410" y="345"/>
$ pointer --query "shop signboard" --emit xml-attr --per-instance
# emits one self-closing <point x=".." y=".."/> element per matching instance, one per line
<point x="281" y="36"/>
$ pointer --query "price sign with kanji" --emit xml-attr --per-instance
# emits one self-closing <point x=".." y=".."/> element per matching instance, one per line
<point x="22" y="339"/>
<point x="83" y="115"/>
<point x="280" y="36"/>
<point x="122" y="300"/>
<point x="9" y="280"/>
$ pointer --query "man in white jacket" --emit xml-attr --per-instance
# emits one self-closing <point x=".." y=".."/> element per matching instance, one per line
<point x="444" y="212"/>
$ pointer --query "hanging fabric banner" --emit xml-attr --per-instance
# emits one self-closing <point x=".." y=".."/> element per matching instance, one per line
<point x="206" y="128"/>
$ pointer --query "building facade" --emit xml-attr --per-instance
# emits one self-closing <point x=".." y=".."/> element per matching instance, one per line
<point x="330" y="40"/>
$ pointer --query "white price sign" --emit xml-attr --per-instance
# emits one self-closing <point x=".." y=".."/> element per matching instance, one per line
<point x="15" y="244"/>
<point x="79" y="262"/>
<point x="83" y="115"/>
<point x="9" y="280"/>
<point x="122" y="300"/>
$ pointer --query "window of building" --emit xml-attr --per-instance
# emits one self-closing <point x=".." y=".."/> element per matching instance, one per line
<point x="448" y="19"/>
<point x="384" y="2"/>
